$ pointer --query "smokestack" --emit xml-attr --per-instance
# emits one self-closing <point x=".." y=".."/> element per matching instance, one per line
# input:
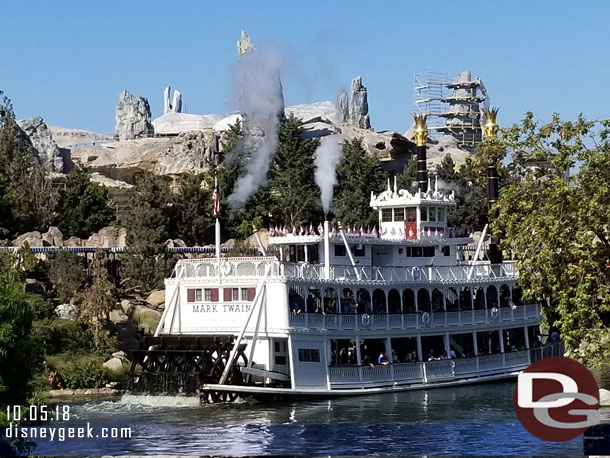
<point x="421" y="136"/>
<point x="261" y="247"/>
<point x="493" y="182"/>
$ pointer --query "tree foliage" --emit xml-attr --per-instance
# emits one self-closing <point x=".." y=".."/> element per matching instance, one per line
<point x="84" y="207"/>
<point x="358" y="174"/>
<point x="27" y="198"/>
<point x="67" y="274"/>
<point x="146" y="263"/>
<point x="193" y="210"/>
<point x="556" y="224"/>
<point x="294" y="197"/>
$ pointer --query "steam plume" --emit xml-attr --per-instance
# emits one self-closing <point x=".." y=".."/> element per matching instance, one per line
<point x="260" y="100"/>
<point x="328" y="156"/>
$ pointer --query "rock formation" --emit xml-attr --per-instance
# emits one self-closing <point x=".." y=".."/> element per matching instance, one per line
<point x="342" y="107"/>
<point x="176" y="105"/>
<point x="358" y="105"/>
<point x="71" y="137"/>
<point x="42" y="140"/>
<point x="132" y="118"/>
<point x="244" y="44"/>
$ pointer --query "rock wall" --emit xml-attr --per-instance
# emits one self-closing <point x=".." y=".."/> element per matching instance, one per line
<point x="342" y="107"/>
<point x="42" y="139"/>
<point x="132" y="118"/>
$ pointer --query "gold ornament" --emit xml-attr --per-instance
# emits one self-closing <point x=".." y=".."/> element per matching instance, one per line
<point x="421" y="131"/>
<point x="490" y="128"/>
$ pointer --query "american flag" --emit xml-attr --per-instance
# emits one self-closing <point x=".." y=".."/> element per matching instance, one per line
<point x="216" y="199"/>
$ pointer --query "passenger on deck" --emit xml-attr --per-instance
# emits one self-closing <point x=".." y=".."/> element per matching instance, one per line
<point x="452" y="354"/>
<point x="431" y="356"/>
<point x="394" y="356"/>
<point x="382" y="359"/>
<point x="444" y="355"/>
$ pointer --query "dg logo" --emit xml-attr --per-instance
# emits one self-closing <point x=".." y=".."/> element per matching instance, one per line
<point x="556" y="399"/>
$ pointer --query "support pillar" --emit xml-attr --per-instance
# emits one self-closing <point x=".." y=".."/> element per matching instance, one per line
<point x="475" y="343"/>
<point x="358" y="355"/>
<point x="420" y="356"/>
<point x="501" y="333"/>
<point x="527" y="337"/>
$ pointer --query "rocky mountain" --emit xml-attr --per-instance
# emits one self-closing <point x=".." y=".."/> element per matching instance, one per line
<point x="132" y="118"/>
<point x="42" y="139"/>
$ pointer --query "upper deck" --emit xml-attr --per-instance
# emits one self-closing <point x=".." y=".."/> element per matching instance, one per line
<point x="253" y="269"/>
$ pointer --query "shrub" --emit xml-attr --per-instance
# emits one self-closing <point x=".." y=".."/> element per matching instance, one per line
<point x="58" y="335"/>
<point x="90" y="375"/>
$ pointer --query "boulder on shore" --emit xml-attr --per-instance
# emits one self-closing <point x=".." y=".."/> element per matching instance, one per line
<point x="604" y="398"/>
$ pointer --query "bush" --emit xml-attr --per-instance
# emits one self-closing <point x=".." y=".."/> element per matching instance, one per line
<point x="79" y="370"/>
<point x="90" y="375"/>
<point x="58" y="335"/>
<point x="41" y="307"/>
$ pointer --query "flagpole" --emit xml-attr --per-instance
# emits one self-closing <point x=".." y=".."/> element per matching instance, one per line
<point x="218" y="241"/>
<point x="216" y="211"/>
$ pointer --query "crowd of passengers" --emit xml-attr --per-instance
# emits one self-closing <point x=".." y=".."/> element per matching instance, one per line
<point x="347" y="356"/>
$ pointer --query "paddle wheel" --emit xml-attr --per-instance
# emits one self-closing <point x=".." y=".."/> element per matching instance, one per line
<point x="182" y="365"/>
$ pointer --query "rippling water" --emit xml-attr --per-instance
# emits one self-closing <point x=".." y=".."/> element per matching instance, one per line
<point x="476" y="419"/>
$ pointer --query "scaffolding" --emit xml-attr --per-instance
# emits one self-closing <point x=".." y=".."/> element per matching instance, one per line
<point x="454" y="106"/>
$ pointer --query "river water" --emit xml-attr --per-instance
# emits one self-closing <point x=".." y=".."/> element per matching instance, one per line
<point x="466" y="420"/>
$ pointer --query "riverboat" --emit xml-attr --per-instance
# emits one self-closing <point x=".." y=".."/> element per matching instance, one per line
<point x="330" y="311"/>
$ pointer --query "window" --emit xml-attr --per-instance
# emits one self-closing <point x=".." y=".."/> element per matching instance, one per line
<point x="359" y="251"/>
<point x="424" y="213"/>
<point x="399" y="214"/>
<point x="208" y="295"/>
<point x="280" y="360"/>
<point x="309" y="355"/>
<point x="411" y="214"/>
<point x="235" y="294"/>
<point x="277" y="347"/>
<point x="441" y="214"/>
<point x="416" y="251"/>
<point x="446" y="250"/>
<point x="198" y="297"/>
<point x="386" y="215"/>
<point x="428" y="251"/>
<point x="244" y="294"/>
<point x="340" y="250"/>
<point x="432" y="214"/>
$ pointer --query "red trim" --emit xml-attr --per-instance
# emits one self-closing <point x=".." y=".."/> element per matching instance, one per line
<point x="214" y="294"/>
<point x="227" y="294"/>
<point x="251" y="293"/>
<point x="190" y="295"/>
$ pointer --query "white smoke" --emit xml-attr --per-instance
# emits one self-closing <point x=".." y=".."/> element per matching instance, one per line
<point x="260" y="100"/>
<point x="328" y="156"/>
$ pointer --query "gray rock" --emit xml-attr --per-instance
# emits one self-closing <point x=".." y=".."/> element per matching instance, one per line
<point x="53" y="237"/>
<point x="117" y="316"/>
<point x="132" y="118"/>
<point x="42" y="140"/>
<point x="66" y="311"/>
<point x="244" y="44"/>
<point x="167" y="106"/>
<point x="177" y="104"/>
<point x="119" y="354"/>
<point x="146" y="318"/>
<point x="108" y="237"/>
<point x="33" y="238"/>
<point x="358" y="114"/>
<point x="604" y="398"/>
<point x="113" y="364"/>
<point x="342" y="107"/>
<point x="156" y="298"/>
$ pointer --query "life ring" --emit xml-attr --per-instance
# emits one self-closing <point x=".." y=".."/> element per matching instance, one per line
<point x="225" y="268"/>
<point x="366" y="320"/>
<point x="494" y="313"/>
<point x="416" y="273"/>
<point x="425" y="318"/>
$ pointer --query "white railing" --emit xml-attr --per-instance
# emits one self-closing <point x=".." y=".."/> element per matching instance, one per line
<point x="445" y="370"/>
<point x="379" y="322"/>
<point x="235" y="268"/>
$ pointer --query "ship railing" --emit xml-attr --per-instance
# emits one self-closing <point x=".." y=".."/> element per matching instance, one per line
<point x="383" y="321"/>
<point x="255" y="266"/>
<point x="352" y="376"/>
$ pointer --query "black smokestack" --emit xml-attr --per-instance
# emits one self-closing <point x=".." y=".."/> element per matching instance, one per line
<point x="493" y="181"/>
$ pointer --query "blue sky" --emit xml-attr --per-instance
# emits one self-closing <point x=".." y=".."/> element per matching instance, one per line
<point x="68" y="61"/>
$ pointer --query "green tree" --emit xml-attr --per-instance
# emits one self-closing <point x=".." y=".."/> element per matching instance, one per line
<point x="408" y="178"/>
<point x="67" y="274"/>
<point x="27" y="198"/>
<point x="358" y="174"/>
<point x="97" y="300"/>
<point x="84" y="207"/>
<point x="293" y="194"/>
<point x="556" y="224"/>
<point x="146" y="263"/>
<point x="193" y="209"/>
<point x="17" y="356"/>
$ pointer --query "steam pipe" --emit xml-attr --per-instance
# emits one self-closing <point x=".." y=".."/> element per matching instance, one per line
<point x="326" y="251"/>
<point x="349" y="251"/>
